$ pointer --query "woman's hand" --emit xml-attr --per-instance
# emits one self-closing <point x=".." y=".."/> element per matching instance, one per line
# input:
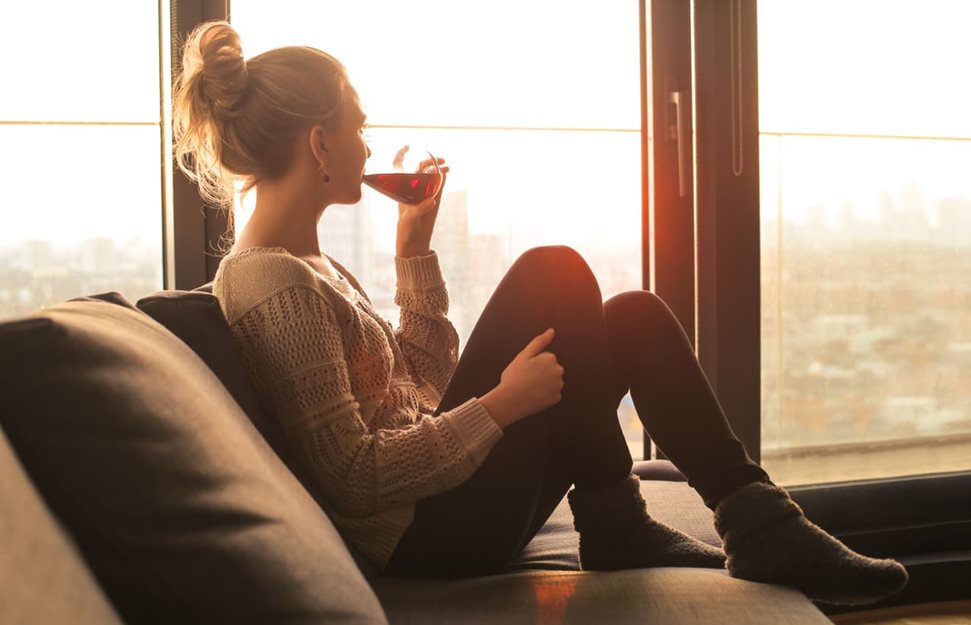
<point x="416" y="221"/>
<point x="532" y="382"/>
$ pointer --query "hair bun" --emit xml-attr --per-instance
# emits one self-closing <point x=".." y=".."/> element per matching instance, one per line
<point x="213" y="54"/>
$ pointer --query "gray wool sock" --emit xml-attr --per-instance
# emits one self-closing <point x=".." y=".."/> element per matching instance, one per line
<point x="617" y="533"/>
<point x="768" y="539"/>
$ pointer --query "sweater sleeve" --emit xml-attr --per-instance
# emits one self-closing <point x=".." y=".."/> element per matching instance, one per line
<point x="427" y="338"/>
<point x="292" y="345"/>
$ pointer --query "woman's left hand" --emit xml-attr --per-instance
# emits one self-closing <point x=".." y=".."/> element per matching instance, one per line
<point x="417" y="221"/>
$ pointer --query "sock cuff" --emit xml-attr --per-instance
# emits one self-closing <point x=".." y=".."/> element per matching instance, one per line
<point x="753" y="508"/>
<point x="612" y="506"/>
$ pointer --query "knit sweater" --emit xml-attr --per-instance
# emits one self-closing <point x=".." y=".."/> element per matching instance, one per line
<point x="354" y="397"/>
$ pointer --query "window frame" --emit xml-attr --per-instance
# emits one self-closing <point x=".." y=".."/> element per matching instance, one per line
<point x="708" y="271"/>
<point x="727" y="249"/>
<point x="159" y="126"/>
<point x="711" y="275"/>
<point x="923" y="520"/>
<point x="193" y="227"/>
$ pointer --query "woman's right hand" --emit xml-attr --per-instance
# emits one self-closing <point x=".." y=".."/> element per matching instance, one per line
<point x="530" y="383"/>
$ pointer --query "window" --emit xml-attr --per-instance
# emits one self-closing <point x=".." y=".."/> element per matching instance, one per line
<point x="543" y="140"/>
<point x="866" y="239"/>
<point x="79" y="152"/>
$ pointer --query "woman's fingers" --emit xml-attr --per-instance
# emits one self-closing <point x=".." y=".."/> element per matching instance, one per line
<point x="538" y="344"/>
<point x="427" y="206"/>
<point x="429" y="164"/>
<point x="399" y="158"/>
<point x="417" y="210"/>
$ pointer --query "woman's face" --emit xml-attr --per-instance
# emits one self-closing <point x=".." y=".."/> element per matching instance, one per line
<point x="348" y="152"/>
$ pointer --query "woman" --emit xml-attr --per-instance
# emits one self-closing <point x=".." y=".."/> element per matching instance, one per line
<point x="434" y="465"/>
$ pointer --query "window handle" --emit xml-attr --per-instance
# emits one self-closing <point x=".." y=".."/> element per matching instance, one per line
<point x="679" y="100"/>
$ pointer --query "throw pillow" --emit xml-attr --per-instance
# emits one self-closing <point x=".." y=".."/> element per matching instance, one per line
<point x="44" y="579"/>
<point x="196" y="318"/>
<point x="179" y="506"/>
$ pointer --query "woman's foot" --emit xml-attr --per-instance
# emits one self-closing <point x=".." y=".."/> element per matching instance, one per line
<point x="617" y="533"/>
<point x="768" y="539"/>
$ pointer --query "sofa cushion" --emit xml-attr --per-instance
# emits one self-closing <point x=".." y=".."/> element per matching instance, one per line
<point x="556" y="545"/>
<point x="661" y="596"/>
<point x="545" y="586"/>
<point x="43" y="578"/>
<point x="196" y="318"/>
<point x="180" y="507"/>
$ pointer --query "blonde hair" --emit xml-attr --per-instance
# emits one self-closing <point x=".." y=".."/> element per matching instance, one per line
<point x="235" y="120"/>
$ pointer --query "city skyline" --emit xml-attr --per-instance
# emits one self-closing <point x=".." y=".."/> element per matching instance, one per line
<point x="858" y="305"/>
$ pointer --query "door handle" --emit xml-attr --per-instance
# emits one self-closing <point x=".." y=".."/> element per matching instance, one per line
<point x="679" y="100"/>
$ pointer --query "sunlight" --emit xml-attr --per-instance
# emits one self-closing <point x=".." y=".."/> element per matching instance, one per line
<point x="890" y="67"/>
<point x="544" y="63"/>
<point x="456" y="65"/>
<point x="54" y="71"/>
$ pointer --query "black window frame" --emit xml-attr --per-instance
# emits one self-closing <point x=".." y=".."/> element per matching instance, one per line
<point x="707" y="198"/>
<point x="923" y="520"/>
<point x="194" y="228"/>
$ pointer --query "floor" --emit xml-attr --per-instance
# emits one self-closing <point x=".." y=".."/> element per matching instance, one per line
<point x="951" y="613"/>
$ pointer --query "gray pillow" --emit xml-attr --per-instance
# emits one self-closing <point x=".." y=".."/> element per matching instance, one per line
<point x="177" y="503"/>
<point x="42" y="576"/>
<point x="198" y="321"/>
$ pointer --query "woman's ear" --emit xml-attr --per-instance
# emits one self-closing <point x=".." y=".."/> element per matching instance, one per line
<point x="318" y="146"/>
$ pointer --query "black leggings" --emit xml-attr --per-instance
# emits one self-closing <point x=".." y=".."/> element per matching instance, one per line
<point x="631" y="342"/>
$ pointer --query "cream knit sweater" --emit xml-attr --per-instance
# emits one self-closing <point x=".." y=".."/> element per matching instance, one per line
<point x="354" y="397"/>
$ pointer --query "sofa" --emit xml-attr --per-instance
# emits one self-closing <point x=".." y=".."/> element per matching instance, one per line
<point x="142" y="483"/>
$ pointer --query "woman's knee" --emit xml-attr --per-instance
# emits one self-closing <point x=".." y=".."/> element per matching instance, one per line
<point x="636" y="309"/>
<point x="557" y="265"/>
<point x="546" y="256"/>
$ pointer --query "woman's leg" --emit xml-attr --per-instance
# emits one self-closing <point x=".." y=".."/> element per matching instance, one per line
<point x="654" y="358"/>
<point x="479" y="526"/>
<point x="766" y="536"/>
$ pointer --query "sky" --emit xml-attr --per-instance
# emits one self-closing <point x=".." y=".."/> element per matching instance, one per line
<point x="894" y="67"/>
<point x="544" y="63"/>
<point x="863" y="67"/>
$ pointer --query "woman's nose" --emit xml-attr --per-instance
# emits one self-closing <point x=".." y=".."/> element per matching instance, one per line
<point x="368" y="151"/>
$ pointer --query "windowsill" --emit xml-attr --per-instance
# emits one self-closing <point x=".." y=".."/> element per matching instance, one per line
<point x="866" y="461"/>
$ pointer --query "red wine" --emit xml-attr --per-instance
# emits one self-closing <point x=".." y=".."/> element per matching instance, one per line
<point x="405" y="188"/>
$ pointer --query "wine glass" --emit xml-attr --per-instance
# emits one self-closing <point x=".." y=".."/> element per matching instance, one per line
<point x="415" y="175"/>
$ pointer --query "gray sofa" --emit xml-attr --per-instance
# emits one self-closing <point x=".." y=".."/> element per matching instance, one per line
<point x="142" y="484"/>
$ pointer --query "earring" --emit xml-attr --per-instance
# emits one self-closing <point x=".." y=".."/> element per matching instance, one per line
<point x="325" y="178"/>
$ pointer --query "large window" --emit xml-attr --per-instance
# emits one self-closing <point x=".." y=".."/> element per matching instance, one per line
<point x="866" y="238"/>
<point x="864" y="152"/>
<point x="535" y="105"/>
<point x="80" y="151"/>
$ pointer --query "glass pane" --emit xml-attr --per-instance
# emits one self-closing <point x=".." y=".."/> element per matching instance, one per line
<point x="543" y="63"/>
<point x="492" y="212"/>
<point x="886" y="67"/>
<point x="866" y="252"/>
<point x="77" y="226"/>
<point x="79" y="61"/>
<point x="546" y="65"/>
